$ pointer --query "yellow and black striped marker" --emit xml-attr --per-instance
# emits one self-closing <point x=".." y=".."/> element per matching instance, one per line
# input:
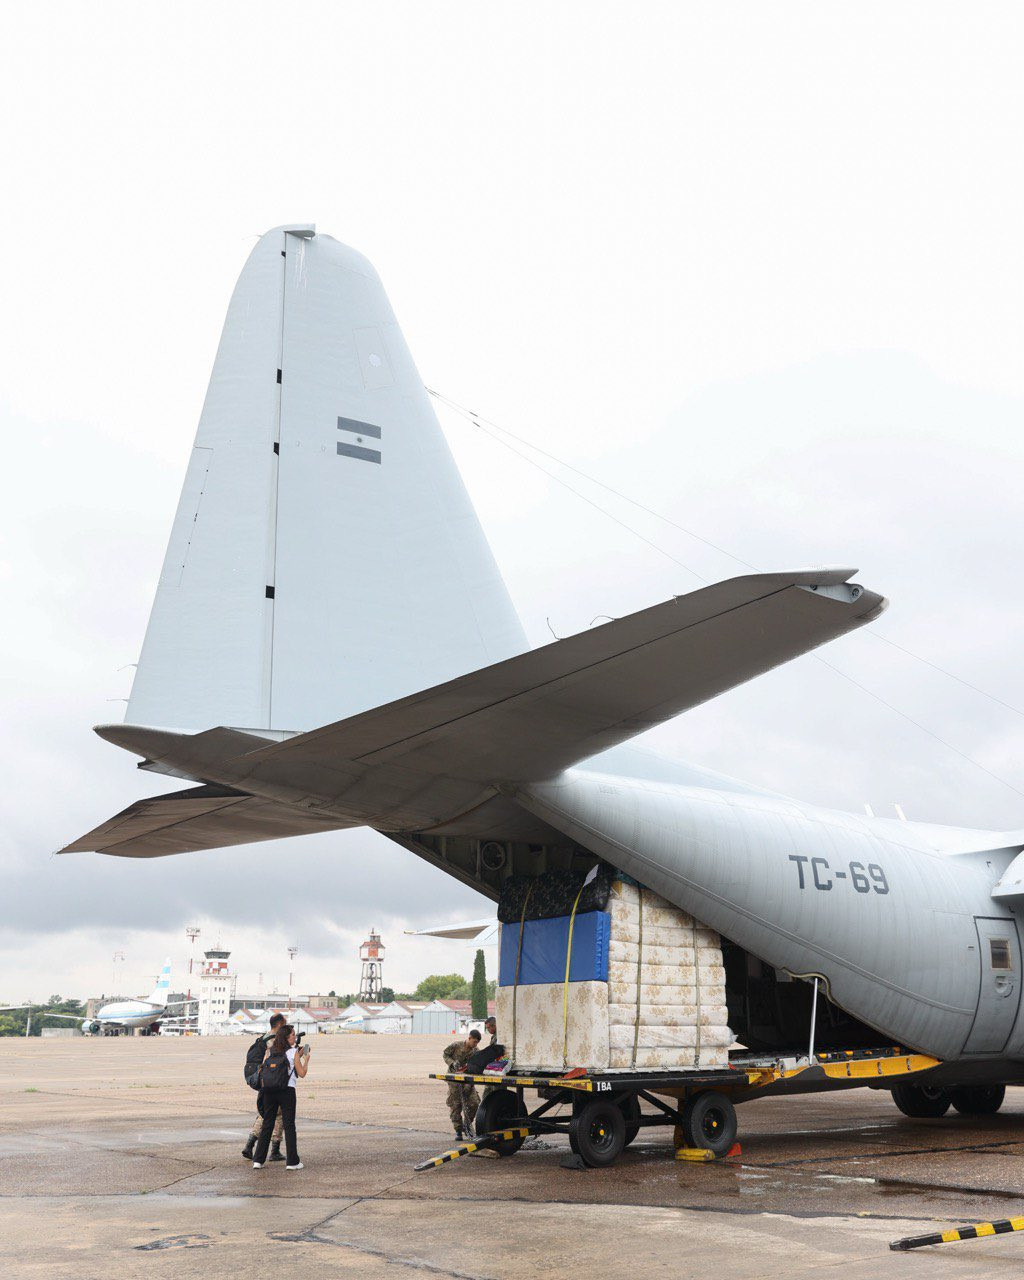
<point x="487" y="1143"/>
<point x="460" y="1077"/>
<point x="977" y="1232"/>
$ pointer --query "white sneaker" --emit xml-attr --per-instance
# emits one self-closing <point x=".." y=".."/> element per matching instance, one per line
<point x="256" y="1166"/>
<point x="290" y="1167"/>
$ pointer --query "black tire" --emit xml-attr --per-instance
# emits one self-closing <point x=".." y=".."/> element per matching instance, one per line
<point x="709" y="1121"/>
<point x="500" y="1110"/>
<point x="597" y="1133"/>
<point x="630" y="1108"/>
<point x="978" y="1099"/>
<point x="921" y="1101"/>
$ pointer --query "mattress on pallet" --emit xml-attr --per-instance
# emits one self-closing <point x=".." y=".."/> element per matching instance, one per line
<point x="631" y="952"/>
<point x="654" y="975"/>
<point x="668" y="1015"/>
<point x="664" y="935"/>
<point x="540" y="948"/>
<point x="663" y="1006"/>
<point x="624" y="992"/>
<point x="657" y="912"/>
<point x="624" y="1037"/>
<point x="536" y="1040"/>
<point x="710" y="1058"/>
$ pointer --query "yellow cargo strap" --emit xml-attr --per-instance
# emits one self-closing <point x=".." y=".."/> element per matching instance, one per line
<point x="565" y="988"/>
<point x="639" y="965"/>
<point x="515" y="981"/>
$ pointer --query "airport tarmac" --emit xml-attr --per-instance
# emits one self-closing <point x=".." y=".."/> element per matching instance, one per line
<point x="121" y="1157"/>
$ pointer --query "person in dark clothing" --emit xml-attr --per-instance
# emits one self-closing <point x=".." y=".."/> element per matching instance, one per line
<point x="283" y="1098"/>
<point x="276" y="1021"/>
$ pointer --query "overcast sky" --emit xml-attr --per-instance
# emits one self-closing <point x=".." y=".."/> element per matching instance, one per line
<point x="758" y="266"/>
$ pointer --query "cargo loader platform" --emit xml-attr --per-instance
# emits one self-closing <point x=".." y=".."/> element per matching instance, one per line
<point x="604" y="1106"/>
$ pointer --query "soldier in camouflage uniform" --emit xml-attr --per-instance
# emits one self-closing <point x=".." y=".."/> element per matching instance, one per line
<point x="463" y="1099"/>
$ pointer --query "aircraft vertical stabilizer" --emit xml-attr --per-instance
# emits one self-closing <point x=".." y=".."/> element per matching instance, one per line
<point x="325" y="557"/>
<point x="163" y="984"/>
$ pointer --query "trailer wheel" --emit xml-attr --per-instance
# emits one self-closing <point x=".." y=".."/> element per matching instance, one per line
<point x="709" y="1121"/>
<point x="921" y="1101"/>
<point x="597" y="1133"/>
<point x="630" y="1108"/>
<point x="500" y="1110"/>
<point x="978" y="1100"/>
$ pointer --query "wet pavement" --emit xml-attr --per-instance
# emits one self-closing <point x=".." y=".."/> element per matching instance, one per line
<point x="124" y="1154"/>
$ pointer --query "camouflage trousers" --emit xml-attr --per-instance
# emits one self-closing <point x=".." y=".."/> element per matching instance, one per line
<point x="463" y="1101"/>
<point x="278" y="1126"/>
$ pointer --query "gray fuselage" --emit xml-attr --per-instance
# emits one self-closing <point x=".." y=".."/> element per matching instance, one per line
<point x="908" y="940"/>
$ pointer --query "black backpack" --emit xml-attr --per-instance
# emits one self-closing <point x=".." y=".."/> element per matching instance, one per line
<point x="275" y="1072"/>
<point x="254" y="1056"/>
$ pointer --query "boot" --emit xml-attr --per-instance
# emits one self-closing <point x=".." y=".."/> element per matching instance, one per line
<point x="249" y="1148"/>
<point x="275" y="1151"/>
<point x="459" y="1136"/>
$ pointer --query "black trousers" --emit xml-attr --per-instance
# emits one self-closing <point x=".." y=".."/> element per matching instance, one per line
<point x="274" y="1100"/>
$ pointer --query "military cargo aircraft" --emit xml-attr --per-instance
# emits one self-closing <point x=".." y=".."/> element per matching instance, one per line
<point x="331" y="646"/>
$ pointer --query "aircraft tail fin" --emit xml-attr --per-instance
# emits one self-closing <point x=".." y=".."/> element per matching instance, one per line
<point x="325" y="557"/>
<point x="163" y="983"/>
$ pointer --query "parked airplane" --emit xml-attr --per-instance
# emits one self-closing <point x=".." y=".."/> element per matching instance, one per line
<point x="331" y="645"/>
<point x="129" y="1014"/>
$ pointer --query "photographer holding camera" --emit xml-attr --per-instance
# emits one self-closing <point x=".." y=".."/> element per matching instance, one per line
<point x="256" y="1054"/>
<point x="287" y="1060"/>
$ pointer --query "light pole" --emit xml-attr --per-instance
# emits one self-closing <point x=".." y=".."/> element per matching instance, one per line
<point x="292" y="953"/>
<point x="118" y="955"/>
<point x="191" y="932"/>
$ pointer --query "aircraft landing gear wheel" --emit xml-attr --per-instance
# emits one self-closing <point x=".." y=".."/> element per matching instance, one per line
<point x="597" y="1133"/>
<point x="921" y="1101"/>
<point x="709" y="1121"/>
<point x="500" y="1110"/>
<point x="978" y="1099"/>
<point x="630" y="1108"/>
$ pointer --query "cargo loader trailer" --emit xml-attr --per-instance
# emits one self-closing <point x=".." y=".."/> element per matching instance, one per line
<point x="605" y="1114"/>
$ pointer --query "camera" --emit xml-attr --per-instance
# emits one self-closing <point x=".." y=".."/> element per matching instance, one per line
<point x="298" y="1038"/>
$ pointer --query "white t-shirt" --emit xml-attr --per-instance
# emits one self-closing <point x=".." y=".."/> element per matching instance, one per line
<point x="291" y="1062"/>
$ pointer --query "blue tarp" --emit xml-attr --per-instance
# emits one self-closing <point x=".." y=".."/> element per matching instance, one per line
<point x="545" y="943"/>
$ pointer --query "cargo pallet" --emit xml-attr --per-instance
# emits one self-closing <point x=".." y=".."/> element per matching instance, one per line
<point x="605" y="1105"/>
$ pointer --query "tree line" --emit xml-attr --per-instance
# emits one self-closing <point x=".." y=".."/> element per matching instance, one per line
<point x="13" y="1023"/>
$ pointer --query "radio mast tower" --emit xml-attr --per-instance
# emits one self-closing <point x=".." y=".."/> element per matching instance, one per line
<point x="372" y="955"/>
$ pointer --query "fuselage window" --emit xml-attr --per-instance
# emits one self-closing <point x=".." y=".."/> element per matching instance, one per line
<point x="1000" y="948"/>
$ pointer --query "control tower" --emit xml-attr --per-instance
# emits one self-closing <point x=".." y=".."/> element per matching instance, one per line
<point x="372" y="955"/>
<point x="216" y="991"/>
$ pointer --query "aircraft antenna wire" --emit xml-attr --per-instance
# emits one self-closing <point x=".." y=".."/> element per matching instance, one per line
<point x="479" y="420"/>
<point x="488" y="428"/>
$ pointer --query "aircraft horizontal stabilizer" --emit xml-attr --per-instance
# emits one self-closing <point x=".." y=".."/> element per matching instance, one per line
<point x="207" y="817"/>
<point x="531" y="716"/>
<point x="482" y="932"/>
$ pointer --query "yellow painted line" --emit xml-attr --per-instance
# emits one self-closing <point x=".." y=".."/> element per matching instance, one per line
<point x="950" y="1237"/>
